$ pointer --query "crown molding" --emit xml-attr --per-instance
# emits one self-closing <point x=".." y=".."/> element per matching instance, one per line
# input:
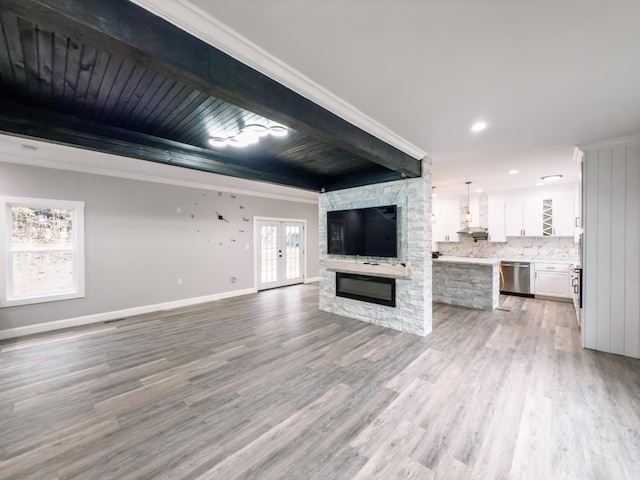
<point x="585" y="147"/>
<point x="61" y="157"/>
<point x="203" y="26"/>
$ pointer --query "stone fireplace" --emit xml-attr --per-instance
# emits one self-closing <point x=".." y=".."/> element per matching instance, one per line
<point x="410" y="271"/>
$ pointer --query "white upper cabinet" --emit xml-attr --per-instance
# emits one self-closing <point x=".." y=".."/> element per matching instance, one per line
<point x="564" y="216"/>
<point x="496" y="221"/>
<point x="447" y="216"/>
<point x="533" y="213"/>
<point x="523" y="218"/>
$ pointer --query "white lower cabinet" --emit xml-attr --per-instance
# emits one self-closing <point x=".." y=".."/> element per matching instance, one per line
<point x="552" y="280"/>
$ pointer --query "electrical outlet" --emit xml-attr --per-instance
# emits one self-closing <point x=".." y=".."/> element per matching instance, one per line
<point x="233" y="279"/>
<point x="179" y="281"/>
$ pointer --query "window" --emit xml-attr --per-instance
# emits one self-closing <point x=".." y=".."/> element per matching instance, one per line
<point x="43" y="244"/>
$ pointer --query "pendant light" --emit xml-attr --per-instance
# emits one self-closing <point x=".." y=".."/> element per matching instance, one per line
<point x="433" y="213"/>
<point x="468" y="217"/>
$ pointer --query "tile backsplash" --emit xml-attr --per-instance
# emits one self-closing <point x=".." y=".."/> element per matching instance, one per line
<point x="527" y="248"/>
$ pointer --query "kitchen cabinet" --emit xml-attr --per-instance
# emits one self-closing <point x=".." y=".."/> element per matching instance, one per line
<point x="496" y="221"/>
<point x="563" y="216"/>
<point x="552" y="280"/>
<point x="529" y="218"/>
<point x="523" y="218"/>
<point x="447" y="214"/>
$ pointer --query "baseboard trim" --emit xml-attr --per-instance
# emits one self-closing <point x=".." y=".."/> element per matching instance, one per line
<point x="312" y="280"/>
<point x="116" y="314"/>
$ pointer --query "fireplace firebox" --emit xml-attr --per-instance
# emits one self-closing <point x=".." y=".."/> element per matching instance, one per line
<point x="366" y="288"/>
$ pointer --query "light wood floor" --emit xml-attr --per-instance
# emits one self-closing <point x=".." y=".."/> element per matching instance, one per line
<point x="266" y="386"/>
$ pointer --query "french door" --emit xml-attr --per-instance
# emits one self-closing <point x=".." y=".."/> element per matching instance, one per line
<point x="280" y="253"/>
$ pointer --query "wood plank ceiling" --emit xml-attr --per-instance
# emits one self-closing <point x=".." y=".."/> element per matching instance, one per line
<point x="109" y="76"/>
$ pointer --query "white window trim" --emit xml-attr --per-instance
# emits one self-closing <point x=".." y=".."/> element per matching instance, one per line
<point x="6" y="300"/>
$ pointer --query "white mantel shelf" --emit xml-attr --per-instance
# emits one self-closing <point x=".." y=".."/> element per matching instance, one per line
<point x="381" y="270"/>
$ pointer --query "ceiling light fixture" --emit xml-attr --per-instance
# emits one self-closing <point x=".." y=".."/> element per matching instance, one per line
<point x="551" y="178"/>
<point x="248" y="135"/>
<point x="218" y="142"/>
<point x="478" y="126"/>
<point x="478" y="190"/>
<point x="513" y="172"/>
<point x="468" y="217"/>
<point x="257" y="129"/>
<point x="278" y="131"/>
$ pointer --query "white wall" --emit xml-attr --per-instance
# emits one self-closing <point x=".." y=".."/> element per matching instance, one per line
<point x="137" y="245"/>
<point x="611" y="250"/>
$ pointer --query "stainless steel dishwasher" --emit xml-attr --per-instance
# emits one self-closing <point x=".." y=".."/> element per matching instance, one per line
<point x="515" y="278"/>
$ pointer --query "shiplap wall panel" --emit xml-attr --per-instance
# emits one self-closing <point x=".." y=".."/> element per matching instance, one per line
<point x="604" y="250"/>
<point x="632" y="271"/>
<point x="590" y="245"/>
<point x="618" y="241"/>
<point x="612" y="247"/>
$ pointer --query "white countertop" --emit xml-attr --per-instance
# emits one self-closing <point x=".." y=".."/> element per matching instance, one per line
<point x="469" y="260"/>
<point x="491" y="261"/>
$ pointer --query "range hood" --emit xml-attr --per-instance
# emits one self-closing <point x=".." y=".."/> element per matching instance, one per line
<point x="477" y="233"/>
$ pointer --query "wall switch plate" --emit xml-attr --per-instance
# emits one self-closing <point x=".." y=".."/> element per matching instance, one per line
<point x="178" y="210"/>
<point x="179" y="281"/>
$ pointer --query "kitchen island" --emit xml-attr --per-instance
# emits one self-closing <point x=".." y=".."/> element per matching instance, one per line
<point x="467" y="282"/>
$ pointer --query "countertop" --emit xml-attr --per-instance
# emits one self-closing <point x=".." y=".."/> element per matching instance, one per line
<point x="492" y="261"/>
<point x="468" y="260"/>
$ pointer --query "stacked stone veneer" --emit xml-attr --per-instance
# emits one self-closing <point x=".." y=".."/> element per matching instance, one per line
<point x="412" y="312"/>
<point x="467" y="285"/>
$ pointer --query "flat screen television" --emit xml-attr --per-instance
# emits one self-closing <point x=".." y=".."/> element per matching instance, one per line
<point x="368" y="232"/>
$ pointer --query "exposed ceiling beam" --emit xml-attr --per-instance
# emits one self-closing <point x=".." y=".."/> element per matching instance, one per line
<point x="166" y="48"/>
<point x="28" y="121"/>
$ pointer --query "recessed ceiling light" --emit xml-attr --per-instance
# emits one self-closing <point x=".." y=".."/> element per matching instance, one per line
<point x="539" y="184"/>
<point x="478" y="190"/>
<point x="551" y="178"/>
<point x="478" y="126"/>
<point x="513" y="172"/>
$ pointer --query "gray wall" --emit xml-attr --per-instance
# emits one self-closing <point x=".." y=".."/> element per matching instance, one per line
<point x="137" y="245"/>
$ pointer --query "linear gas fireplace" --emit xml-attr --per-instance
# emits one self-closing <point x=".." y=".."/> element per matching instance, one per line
<point x="366" y="288"/>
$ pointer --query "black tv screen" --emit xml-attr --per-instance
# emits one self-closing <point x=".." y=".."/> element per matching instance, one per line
<point x="368" y="232"/>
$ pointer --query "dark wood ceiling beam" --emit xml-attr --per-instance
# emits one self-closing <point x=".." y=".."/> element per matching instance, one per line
<point x="361" y="179"/>
<point x="173" y="52"/>
<point x="17" y="118"/>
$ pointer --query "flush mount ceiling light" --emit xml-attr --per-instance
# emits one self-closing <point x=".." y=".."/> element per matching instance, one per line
<point x="258" y="129"/>
<point x="218" y="142"/>
<point x="478" y="126"/>
<point x="248" y="135"/>
<point x="551" y="178"/>
<point x="513" y="172"/>
<point x="468" y="217"/>
<point x="278" y="131"/>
